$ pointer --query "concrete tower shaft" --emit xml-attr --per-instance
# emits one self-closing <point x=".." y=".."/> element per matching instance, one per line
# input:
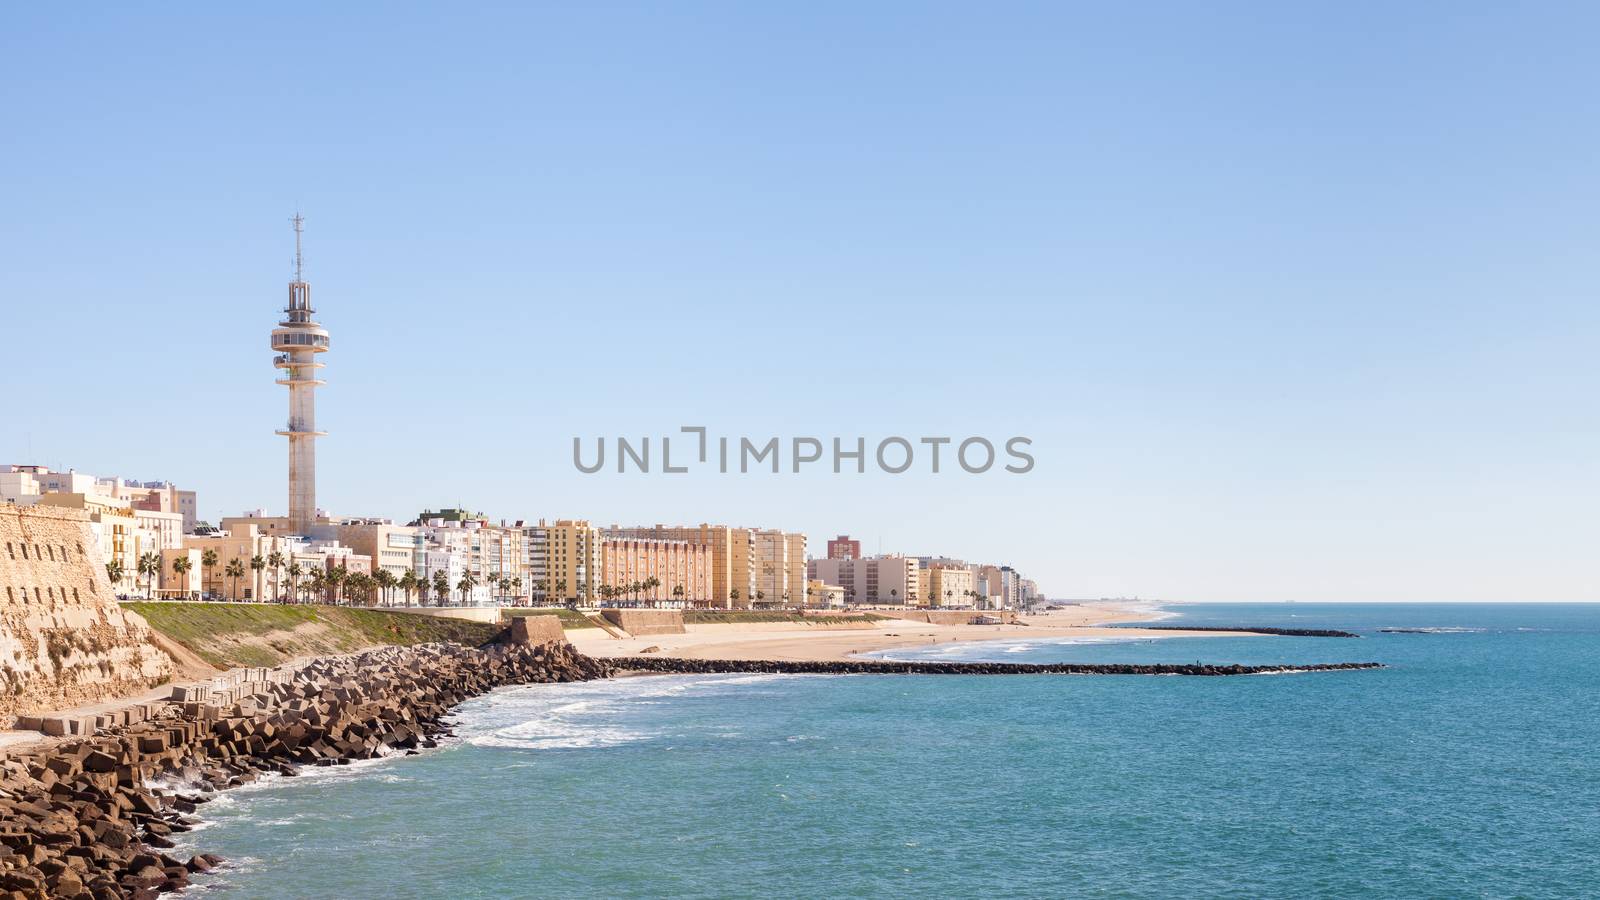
<point x="298" y="340"/>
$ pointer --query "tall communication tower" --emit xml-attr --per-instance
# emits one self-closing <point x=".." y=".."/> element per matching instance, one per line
<point x="297" y="341"/>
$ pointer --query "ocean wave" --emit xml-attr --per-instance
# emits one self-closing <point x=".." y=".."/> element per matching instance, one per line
<point x="582" y="715"/>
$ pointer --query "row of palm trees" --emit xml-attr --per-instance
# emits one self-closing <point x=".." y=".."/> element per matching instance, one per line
<point x="933" y="596"/>
<point x="335" y="584"/>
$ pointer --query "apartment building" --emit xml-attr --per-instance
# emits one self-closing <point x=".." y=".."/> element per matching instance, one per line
<point x="875" y="581"/>
<point x="947" y="585"/>
<point x="574" y="561"/>
<point x="23" y="485"/>
<point x="245" y="543"/>
<point x="682" y="568"/>
<point x="392" y="548"/>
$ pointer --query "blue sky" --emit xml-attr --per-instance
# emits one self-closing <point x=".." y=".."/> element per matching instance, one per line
<point x="1295" y="303"/>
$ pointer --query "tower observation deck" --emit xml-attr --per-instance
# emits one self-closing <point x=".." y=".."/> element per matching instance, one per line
<point x="298" y="340"/>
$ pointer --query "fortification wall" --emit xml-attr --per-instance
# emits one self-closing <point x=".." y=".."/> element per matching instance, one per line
<point x="64" y="641"/>
<point x="638" y="622"/>
<point x="537" y="630"/>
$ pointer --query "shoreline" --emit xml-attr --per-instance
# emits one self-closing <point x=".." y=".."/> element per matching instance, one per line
<point x="823" y="644"/>
<point x="96" y="814"/>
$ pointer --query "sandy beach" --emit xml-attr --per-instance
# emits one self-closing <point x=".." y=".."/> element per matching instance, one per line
<point x="822" y="643"/>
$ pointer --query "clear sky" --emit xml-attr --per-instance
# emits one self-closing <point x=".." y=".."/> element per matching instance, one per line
<point x="1297" y="301"/>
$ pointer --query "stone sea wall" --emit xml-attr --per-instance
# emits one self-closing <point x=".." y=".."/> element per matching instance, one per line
<point x="639" y="622"/>
<point x="64" y="641"/>
<point x="537" y="630"/>
<point x="85" y="819"/>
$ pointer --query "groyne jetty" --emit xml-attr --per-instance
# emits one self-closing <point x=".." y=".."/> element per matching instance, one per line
<point x="1241" y="629"/>
<point x="672" y="665"/>
<point x="89" y="818"/>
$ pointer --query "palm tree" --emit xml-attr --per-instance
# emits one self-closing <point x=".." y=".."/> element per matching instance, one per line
<point x="541" y="588"/>
<point x="386" y="581"/>
<point x="208" y="559"/>
<point x="947" y="595"/>
<point x="894" y="596"/>
<point x="760" y="596"/>
<point x="234" y="570"/>
<point x="316" y="584"/>
<point x="677" y="593"/>
<point x="114" y="571"/>
<point x="516" y="586"/>
<point x="441" y="586"/>
<point x="180" y="567"/>
<point x="336" y="578"/>
<point x="733" y="594"/>
<point x="275" y="560"/>
<point x="362" y="583"/>
<point x="149" y="567"/>
<point x="651" y="583"/>
<point x="561" y="589"/>
<point x="257" y="564"/>
<point x="407" y="584"/>
<point x="294" y="582"/>
<point x="465" y="586"/>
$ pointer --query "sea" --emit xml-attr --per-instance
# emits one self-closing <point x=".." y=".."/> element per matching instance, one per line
<point x="1466" y="768"/>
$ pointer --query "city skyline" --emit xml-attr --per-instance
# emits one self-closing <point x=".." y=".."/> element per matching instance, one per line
<point x="1276" y="365"/>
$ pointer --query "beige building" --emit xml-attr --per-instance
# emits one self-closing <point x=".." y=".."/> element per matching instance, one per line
<point x="574" y="559"/>
<point x="737" y="574"/>
<point x="245" y="543"/>
<point x="778" y="572"/>
<point x="682" y="568"/>
<point x="824" y="596"/>
<point x="186" y="586"/>
<point x="23" y="485"/>
<point x="874" y="581"/>
<point x="392" y="548"/>
<point x="947" y="585"/>
<point x="276" y="525"/>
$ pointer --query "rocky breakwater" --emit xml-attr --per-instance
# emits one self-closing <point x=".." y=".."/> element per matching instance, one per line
<point x="1244" y="629"/>
<point x="885" y="667"/>
<point x="93" y="817"/>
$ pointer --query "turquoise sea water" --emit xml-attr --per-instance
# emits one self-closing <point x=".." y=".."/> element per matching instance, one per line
<point x="1468" y="768"/>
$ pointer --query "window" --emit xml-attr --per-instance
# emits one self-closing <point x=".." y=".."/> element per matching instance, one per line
<point x="24" y="551"/>
<point x="50" y="550"/>
<point x="36" y="597"/>
<point x="10" y="595"/>
<point x="9" y="551"/>
<point x="75" y="596"/>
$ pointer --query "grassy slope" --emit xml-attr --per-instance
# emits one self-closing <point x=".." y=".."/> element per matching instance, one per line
<point x="226" y="634"/>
